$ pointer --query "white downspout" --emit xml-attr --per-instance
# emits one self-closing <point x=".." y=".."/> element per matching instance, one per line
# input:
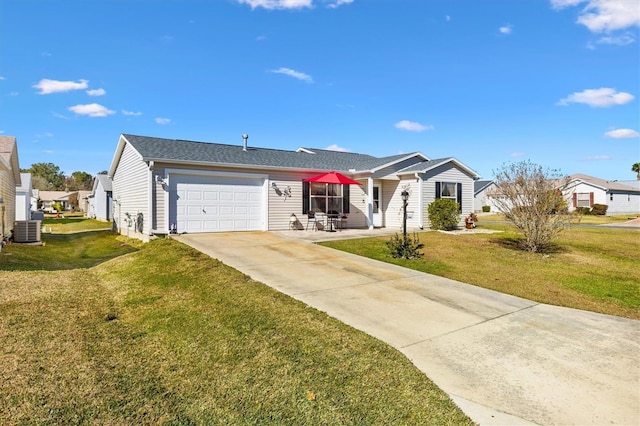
<point x="149" y="219"/>
<point x="420" y="201"/>
<point x="370" y="202"/>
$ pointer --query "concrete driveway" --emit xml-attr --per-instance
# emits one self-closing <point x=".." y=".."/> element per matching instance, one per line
<point x="502" y="359"/>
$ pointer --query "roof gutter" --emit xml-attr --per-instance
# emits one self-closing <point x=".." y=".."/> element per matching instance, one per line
<point x="247" y="166"/>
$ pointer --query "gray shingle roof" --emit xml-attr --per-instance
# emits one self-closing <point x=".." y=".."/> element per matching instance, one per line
<point x="105" y="181"/>
<point x="479" y="185"/>
<point x="175" y="150"/>
<point x="609" y="185"/>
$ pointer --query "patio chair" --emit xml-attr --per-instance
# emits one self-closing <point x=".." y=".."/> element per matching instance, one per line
<point x="342" y="222"/>
<point x="315" y="218"/>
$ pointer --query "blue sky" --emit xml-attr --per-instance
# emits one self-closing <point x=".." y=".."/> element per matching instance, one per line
<point x="488" y="82"/>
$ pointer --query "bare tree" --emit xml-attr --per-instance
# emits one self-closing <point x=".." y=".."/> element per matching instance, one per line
<point x="533" y="199"/>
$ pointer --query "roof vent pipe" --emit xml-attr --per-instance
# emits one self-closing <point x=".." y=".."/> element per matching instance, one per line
<point x="245" y="137"/>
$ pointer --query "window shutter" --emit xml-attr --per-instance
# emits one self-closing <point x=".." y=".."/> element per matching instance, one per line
<point x="575" y="199"/>
<point x="459" y="196"/>
<point x="345" y="198"/>
<point x="591" y="199"/>
<point x="305" y="197"/>
<point x="437" y="189"/>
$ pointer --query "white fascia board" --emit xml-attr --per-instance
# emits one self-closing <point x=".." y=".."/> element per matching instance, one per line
<point x="399" y="160"/>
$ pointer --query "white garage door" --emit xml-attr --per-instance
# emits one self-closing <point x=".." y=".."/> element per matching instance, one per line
<point x="217" y="204"/>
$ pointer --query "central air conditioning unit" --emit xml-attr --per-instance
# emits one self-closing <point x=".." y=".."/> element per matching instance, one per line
<point x="26" y="231"/>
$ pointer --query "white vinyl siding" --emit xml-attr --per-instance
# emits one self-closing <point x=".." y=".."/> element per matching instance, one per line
<point x="624" y="203"/>
<point x="130" y="187"/>
<point x="447" y="173"/>
<point x="8" y="193"/>
<point x="281" y="207"/>
<point x="102" y="204"/>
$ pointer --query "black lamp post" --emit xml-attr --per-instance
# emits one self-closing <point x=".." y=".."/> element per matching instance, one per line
<point x="405" y="198"/>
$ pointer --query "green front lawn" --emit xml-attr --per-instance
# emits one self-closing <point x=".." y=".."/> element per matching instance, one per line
<point x="591" y="268"/>
<point x="98" y="330"/>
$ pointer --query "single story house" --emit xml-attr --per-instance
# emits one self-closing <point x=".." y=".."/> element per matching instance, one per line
<point x="481" y="198"/>
<point x="585" y="191"/>
<point x="100" y="200"/>
<point x="48" y="198"/>
<point x="24" y="195"/>
<point x="9" y="180"/>
<point x="162" y="185"/>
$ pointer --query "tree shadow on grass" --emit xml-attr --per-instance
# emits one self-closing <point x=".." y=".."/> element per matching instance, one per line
<point x="518" y="244"/>
<point x="64" y="252"/>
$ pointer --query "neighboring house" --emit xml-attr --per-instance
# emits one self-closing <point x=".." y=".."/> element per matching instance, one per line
<point x="163" y="184"/>
<point x="9" y="180"/>
<point x="35" y="197"/>
<point x="24" y="195"/>
<point x="101" y="200"/>
<point x="49" y="198"/>
<point x="632" y="183"/>
<point x="481" y="198"/>
<point x="83" y="201"/>
<point x="585" y="191"/>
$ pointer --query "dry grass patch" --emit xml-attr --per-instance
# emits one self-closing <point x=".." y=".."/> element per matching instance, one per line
<point x="166" y="335"/>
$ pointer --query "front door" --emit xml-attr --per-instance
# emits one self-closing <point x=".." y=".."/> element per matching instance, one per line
<point x="377" y="205"/>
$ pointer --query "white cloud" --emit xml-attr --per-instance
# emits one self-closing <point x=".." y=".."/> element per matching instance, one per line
<point x="622" y="133"/>
<point x="162" y="121"/>
<point x="518" y="154"/>
<point x="507" y="29"/>
<point x="599" y="158"/>
<point x="96" y="92"/>
<point x="131" y="113"/>
<point x="47" y="86"/>
<point x="92" y="110"/>
<point x="604" y="15"/>
<point x="603" y="97"/>
<point x="339" y="3"/>
<point x="277" y="4"/>
<point x="412" y="126"/>
<point x="621" y="40"/>
<point x="293" y="73"/>
<point x="335" y="147"/>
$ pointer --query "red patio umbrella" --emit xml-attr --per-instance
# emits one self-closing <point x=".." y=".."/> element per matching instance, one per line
<point x="333" y="177"/>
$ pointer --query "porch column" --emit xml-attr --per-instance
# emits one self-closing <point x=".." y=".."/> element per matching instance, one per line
<point x="420" y="201"/>
<point x="370" y="202"/>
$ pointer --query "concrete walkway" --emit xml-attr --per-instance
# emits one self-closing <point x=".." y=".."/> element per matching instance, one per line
<point x="502" y="359"/>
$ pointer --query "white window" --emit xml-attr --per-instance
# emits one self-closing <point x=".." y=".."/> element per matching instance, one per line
<point x="583" y="199"/>
<point x="325" y="197"/>
<point x="448" y="190"/>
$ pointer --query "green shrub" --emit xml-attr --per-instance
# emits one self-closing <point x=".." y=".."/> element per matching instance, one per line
<point x="408" y="248"/>
<point x="444" y="214"/>
<point x="599" y="209"/>
<point x="486" y="209"/>
<point x="583" y="210"/>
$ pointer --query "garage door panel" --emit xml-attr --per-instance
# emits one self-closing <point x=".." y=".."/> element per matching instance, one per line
<point x="210" y="196"/>
<point x="226" y="195"/>
<point x="216" y="204"/>
<point x="194" y="195"/>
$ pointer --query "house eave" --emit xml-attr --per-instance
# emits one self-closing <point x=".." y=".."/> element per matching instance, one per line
<point x="209" y="164"/>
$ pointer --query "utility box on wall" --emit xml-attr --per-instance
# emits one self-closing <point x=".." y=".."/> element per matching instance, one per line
<point x="26" y="231"/>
